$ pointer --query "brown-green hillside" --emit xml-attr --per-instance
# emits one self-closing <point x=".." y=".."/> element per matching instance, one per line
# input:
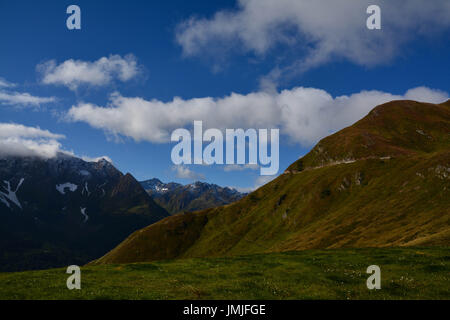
<point x="394" y="129"/>
<point x="385" y="181"/>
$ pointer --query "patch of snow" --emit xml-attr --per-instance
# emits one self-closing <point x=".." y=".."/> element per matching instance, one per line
<point x="5" y="202"/>
<point x="101" y="188"/>
<point x="159" y="189"/>
<point x="11" y="195"/>
<point x="62" y="187"/>
<point x="83" y="212"/>
<point x="85" y="173"/>
<point x="85" y="189"/>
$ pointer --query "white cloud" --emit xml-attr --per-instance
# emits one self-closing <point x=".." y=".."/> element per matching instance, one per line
<point x="19" y="140"/>
<point x="74" y="73"/>
<point x="259" y="182"/>
<point x="305" y="115"/>
<point x="8" y="130"/>
<point x="314" y="31"/>
<point x="23" y="99"/>
<point x="22" y="141"/>
<point x="262" y="180"/>
<point x="182" y="172"/>
<point x="8" y="97"/>
<point x="6" y="84"/>
<point x="243" y="189"/>
<point x="424" y="94"/>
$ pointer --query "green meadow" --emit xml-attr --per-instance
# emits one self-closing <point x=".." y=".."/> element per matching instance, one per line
<point x="406" y="273"/>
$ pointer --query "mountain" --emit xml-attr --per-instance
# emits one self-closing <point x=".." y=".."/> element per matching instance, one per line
<point x="384" y="181"/>
<point x="175" y="197"/>
<point x="61" y="211"/>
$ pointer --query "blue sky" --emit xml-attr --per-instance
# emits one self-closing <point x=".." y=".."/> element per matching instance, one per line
<point x="198" y="49"/>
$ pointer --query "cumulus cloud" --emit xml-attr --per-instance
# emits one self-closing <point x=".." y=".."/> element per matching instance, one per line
<point x="74" y="73"/>
<point x="23" y="99"/>
<point x="8" y="130"/>
<point x="13" y="98"/>
<point x="314" y="31"/>
<point x="183" y="172"/>
<point x="262" y="180"/>
<point x="19" y="140"/>
<point x="6" y="84"/>
<point x="424" y="94"/>
<point x="22" y="141"/>
<point x="259" y="182"/>
<point x="305" y="115"/>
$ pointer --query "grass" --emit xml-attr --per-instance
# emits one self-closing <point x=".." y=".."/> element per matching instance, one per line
<point x="406" y="273"/>
<point x="368" y="203"/>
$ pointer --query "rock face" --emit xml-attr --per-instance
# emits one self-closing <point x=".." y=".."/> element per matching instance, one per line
<point x="61" y="211"/>
<point x="175" y="197"/>
<point x="384" y="181"/>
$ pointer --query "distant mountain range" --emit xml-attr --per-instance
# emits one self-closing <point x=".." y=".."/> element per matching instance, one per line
<point x="61" y="211"/>
<point x="384" y="181"/>
<point x="175" y="197"/>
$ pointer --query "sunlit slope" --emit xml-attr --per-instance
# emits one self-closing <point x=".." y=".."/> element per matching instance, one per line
<point x="394" y="129"/>
<point x="385" y="181"/>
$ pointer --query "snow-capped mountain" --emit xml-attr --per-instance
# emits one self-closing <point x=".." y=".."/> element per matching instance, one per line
<point x="175" y="197"/>
<point x="155" y="186"/>
<point x="66" y="210"/>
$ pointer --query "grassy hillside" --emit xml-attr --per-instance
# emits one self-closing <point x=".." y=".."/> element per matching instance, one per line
<point x="385" y="181"/>
<point x="394" y="129"/>
<point x="406" y="273"/>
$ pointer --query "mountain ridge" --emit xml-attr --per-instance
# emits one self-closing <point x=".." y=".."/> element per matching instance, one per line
<point x="397" y="196"/>
<point x="175" y="197"/>
<point x="384" y="132"/>
<point x="65" y="210"/>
